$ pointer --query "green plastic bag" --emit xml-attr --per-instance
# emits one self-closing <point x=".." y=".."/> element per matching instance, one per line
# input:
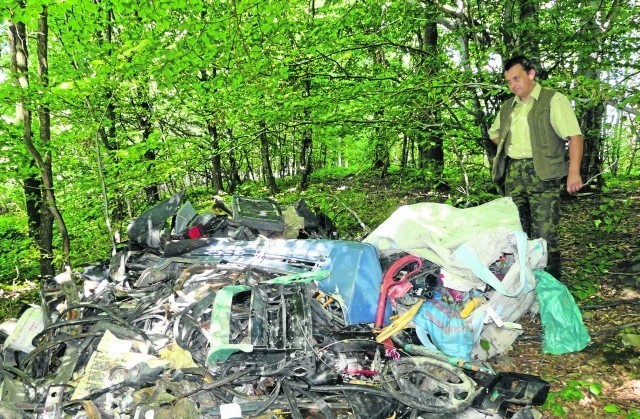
<point x="562" y="328"/>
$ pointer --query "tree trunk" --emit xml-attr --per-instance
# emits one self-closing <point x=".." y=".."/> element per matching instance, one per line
<point x="306" y="149"/>
<point x="430" y="152"/>
<point x="212" y="129"/>
<point x="634" y="151"/>
<point x="151" y="191"/>
<point x="283" y="158"/>
<point x="380" y="147"/>
<point x="592" y="117"/>
<point x="109" y="136"/>
<point x="33" y="201"/>
<point x="266" y="160"/>
<point x="405" y="152"/>
<point x="305" y="164"/>
<point x="593" y="112"/>
<point x="216" y="162"/>
<point x="46" y="226"/>
<point x="234" y="166"/>
<point x="19" y="66"/>
<point x="32" y="184"/>
<point x="482" y="120"/>
<point x="508" y="37"/>
<point x="323" y="155"/>
<point x="234" y="178"/>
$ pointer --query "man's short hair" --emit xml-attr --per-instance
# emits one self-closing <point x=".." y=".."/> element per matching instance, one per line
<point x="519" y="59"/>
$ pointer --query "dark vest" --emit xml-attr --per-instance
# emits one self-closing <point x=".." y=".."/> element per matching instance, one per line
<point x="550" y="158"/>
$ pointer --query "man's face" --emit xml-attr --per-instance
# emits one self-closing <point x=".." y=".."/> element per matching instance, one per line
<point x="519" y="81"/>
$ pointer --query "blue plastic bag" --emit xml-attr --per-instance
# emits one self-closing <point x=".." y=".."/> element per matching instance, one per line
<point x="448" y="332"/>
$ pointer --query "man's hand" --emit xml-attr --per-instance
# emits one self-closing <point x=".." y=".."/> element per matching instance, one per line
<point x="574" y="183"/>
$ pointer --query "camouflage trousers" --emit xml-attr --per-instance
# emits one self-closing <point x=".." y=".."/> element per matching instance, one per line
<point x="538" y="204"/>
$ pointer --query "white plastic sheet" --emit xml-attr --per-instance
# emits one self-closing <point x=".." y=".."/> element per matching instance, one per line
<point x="434" y="231"/>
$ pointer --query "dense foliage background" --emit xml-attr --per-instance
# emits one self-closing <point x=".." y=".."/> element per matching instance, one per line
<point x="110" y="106"/>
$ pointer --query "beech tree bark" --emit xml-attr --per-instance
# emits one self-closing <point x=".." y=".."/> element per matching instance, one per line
<point x="20" y="67"/>
<point x="46" y="226"/>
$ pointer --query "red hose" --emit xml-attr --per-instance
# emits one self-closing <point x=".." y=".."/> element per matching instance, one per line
<point x="388" y="281"/>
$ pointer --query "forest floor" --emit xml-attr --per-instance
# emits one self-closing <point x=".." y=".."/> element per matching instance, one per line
<point x="598" y="231"/>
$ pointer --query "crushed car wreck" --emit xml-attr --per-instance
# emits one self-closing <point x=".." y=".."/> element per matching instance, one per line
<point x="259" y="310"/>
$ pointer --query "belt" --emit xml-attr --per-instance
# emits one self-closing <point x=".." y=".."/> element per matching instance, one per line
<point x="512" y="160"/>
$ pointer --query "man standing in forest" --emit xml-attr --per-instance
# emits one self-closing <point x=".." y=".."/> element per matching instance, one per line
<point x="532" y="129"/>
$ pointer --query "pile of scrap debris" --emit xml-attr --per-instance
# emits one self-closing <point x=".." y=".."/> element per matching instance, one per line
<point x="256" y="310"/>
